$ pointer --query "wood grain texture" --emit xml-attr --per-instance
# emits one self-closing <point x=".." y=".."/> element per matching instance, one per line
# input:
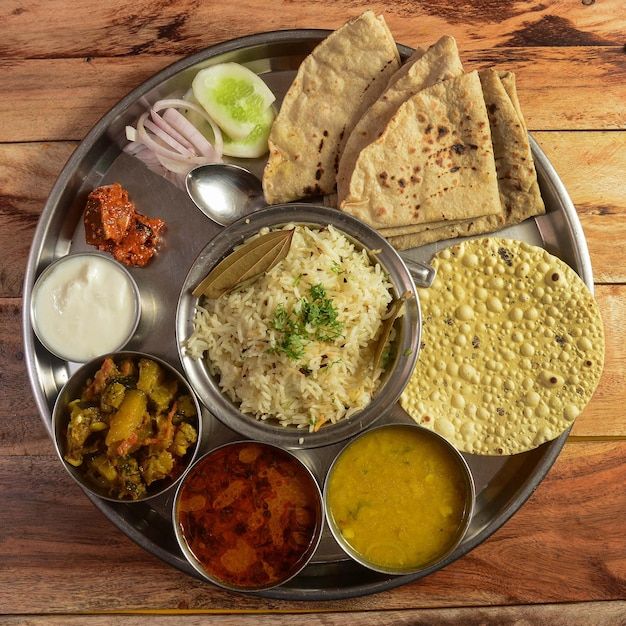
<point x="559" y="88"/>
<point x="606" y="413"/>
<point x="592" y="167"/>
<point x="565" y="544"/>
<point x="27" y="173"/>
<point x="563" y="614"/>
<point x="21" y="430"/>
<point x="62" y="65"/>
<point x="591" y="164"/>
<point x="84" y="28"/>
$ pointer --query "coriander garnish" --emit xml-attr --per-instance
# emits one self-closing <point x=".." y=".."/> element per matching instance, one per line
<point x="313" y="319"/>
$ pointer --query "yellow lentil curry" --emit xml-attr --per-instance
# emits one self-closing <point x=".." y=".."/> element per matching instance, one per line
<point x="398" y="497"/>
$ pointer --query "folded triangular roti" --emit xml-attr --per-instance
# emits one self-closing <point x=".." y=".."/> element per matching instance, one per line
<point x="508" y="82"/>
<point x="334" y="85"/>
<point x="423" y="69"/>
<point x="517" y="179"/>
<point x="434" y="161"/>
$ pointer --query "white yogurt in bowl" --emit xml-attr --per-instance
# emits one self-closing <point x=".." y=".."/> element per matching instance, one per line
<point x="83" y="306"/>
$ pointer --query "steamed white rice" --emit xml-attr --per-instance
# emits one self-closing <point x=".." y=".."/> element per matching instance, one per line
<point x="332" y="380"/>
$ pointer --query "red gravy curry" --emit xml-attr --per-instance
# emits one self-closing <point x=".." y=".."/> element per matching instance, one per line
<point x="250" y="513"/>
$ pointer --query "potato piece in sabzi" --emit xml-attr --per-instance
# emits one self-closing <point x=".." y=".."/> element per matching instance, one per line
<point x="112" y="396"/>
<point x="185" y="407"/>
<point x="104" y="467"/>
<point x="83" y="422"/>
<point x="127" y="423"/>
<point x="157" y="466"/>
<point x="153" y="382"/>
<point x="185" y="436"/>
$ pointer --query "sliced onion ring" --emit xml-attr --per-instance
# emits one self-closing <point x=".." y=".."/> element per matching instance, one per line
<point x="170" y="141"/>
<point x="176" y="103"/>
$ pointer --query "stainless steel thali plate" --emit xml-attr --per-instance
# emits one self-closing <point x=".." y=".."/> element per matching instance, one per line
<point x="503" y="484"/>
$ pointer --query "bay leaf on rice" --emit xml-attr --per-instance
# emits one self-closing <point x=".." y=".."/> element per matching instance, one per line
<point x="252" y="259"/>
<point x="394" y="310"/>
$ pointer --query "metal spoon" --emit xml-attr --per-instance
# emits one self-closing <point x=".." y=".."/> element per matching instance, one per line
<point x="225" y="193"/>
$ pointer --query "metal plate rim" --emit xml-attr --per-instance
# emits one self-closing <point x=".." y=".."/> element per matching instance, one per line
<point x="287" y="593"/>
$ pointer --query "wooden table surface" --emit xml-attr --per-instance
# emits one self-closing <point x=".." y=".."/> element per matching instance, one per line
<point x="561" y="558"/>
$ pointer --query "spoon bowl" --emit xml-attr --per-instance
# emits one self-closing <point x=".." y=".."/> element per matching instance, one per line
<point x="224" y="192"/>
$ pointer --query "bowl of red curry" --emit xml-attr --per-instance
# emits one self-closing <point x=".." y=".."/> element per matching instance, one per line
<point x="248" y="516"/>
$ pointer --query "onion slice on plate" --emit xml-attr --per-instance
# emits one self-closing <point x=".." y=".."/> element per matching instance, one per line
<point x="169" y="143"/>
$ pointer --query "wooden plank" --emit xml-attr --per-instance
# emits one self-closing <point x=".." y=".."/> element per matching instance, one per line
<point x="27" y="173"/>
<point x="592" y="167"/>
<point x="563" y="614"/>
<point x="607" y="405"/>
<point x="84" y="28"/>
<point x="591" y="164"/>
<point x="586" y="91"/>
<point x="606" y="235"/>
<point x="565" y="545"/>
<point x="22" y="433"/>
<point x="21" y="429"/>
<point x="560" y="88"/>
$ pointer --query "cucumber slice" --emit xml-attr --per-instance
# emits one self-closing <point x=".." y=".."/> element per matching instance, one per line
<point x="255" y="144"/>
<point x="233" y="96"/>
<point x="252" y="146"/>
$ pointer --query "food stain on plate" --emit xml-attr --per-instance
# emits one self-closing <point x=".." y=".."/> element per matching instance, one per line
<point x="250" y="514"/>
<point x="399" y="497"/>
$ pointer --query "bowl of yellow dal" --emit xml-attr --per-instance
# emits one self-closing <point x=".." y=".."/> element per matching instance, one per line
<point x="399" y="498"/>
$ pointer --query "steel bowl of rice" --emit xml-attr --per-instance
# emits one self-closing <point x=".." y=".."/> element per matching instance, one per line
<point x="295" y="356"/>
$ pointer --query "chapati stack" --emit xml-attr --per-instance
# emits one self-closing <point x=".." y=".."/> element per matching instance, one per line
<point x="422" y="152"/>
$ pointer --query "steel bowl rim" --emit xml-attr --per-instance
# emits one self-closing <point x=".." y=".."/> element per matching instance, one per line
<point x="59" y="420"/>
<point x="136" y="297"/>
<point x="195" y="563"/>
<point x="468" y="511"/>
<point x="393" y="382"/>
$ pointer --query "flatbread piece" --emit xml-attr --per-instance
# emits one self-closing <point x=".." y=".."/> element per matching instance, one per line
<point x="517" y="178"/>
<point x="334" y="85"/>
<point x="434" y="161"/>
<point x="512" y="347"/>
<point x="440" y="62"/>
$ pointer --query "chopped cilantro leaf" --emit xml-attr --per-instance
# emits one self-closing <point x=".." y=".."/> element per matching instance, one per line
<point x="317" y="292"/>
<point x="313" y="319"/>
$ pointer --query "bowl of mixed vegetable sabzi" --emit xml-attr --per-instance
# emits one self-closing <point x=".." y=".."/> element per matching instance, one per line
<point x="126" y="426"/>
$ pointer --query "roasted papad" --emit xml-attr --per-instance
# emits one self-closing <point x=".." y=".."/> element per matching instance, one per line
<point x="520" y="197"/>
<point x="434" y="161"/>
<point x="440" y="62"/>
<point x="334" y="85"/>
<point x="512" y="348"/>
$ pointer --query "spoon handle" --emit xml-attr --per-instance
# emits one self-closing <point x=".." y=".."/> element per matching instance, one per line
<point x="422" y="274"/>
